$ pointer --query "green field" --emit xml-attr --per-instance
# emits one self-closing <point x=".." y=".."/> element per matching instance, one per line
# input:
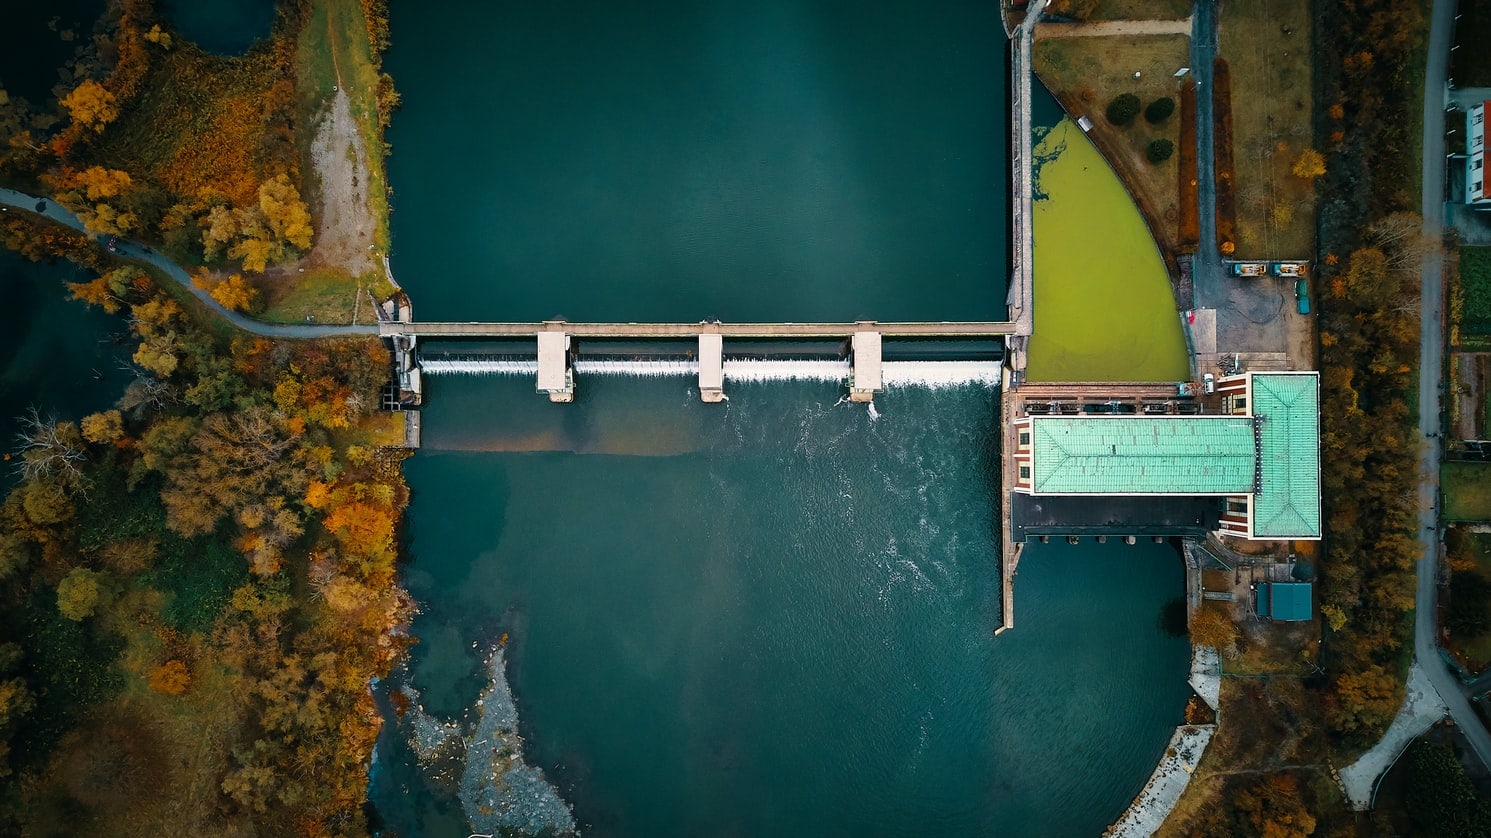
<point x="1467" y="491"/>
<point x="1475" y="283"/>
<point x="1103" y="306"/>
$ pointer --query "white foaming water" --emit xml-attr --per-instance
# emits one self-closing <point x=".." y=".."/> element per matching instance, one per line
<point x="478" y="366"/>
<point x="936" y="374"/>
<point x="931" y="374"/>
<point x="785" y="370"/>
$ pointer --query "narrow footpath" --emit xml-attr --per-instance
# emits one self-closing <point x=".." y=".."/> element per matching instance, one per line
<point x="136" y="252"/>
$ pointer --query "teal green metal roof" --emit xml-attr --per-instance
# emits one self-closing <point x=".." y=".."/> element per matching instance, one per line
<point x="1285" y="601"/>
<point x="1287" y="503"/>
<point x="1143" y="455"/>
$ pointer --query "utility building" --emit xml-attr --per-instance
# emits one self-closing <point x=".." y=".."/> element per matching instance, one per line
<point x="1260" y="457"/>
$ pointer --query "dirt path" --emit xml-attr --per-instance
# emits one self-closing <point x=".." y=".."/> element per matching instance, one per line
<point x="1101" y="28"/>
<point x="345" y="224"/>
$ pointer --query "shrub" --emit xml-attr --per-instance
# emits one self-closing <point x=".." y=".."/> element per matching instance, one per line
<point x="1159" y="151"/>
<point x="1159" y="110"/>
<point x="1123" y="109"/>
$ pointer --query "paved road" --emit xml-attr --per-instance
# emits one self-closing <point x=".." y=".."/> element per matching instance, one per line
<point x="677" y="330"/>
<point x="136" y="252"/>
<point x="1431" y="357"/>
<point x="1208" y="278"/>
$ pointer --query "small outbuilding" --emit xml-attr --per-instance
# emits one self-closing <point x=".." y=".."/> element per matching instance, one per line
<point x="1284" y="601"/>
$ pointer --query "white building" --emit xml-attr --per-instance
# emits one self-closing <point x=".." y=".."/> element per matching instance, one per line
<point x="1477" y="190"/>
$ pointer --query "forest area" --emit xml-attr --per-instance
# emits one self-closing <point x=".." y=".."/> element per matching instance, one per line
<point x="1369" y="61"/>
<point x="198" y="584"/>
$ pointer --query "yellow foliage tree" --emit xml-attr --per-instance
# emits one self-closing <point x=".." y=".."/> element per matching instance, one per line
<point x="78" y="594"/>
<point x="103" y="428"/>
<point x="171" y="678"/>
<point x="98" y="182"/>
<point x="235" y="294"/>
<point x="288" y="218"/>
<point x="91" y="105"/>
<point x="96" y="293"/>
<point x="1309" y="165"/>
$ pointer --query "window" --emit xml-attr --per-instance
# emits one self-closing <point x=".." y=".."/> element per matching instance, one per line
<point x="1024" y="472"/>
<point x="1238" y="506"/>
<point x="1025" y="437"/>
<point x="1477" y="163"/>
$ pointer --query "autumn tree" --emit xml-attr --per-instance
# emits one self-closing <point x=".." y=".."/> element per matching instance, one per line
<point x="235" y="294"/>
<point x="103" y="428"/>
<point x="171" y="678"/>
<point x="1309" y="165"/>
<point x="78" y="594"/>
<point x="91" y="105"/>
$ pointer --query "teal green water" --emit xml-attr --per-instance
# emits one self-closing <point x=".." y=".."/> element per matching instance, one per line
<point x="774" y="617"/>
<point x="683" y="159"/>
<point x="225" y="27"/>
<point x="61" y="357"/>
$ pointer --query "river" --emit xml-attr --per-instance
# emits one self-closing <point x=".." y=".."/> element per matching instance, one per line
<point x="771" y="616"/>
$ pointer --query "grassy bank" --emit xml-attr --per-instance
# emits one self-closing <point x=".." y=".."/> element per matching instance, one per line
<point x="1086" y="73"/>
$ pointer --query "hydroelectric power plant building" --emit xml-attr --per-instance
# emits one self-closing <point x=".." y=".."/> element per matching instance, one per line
<point x="1258" y="458"/>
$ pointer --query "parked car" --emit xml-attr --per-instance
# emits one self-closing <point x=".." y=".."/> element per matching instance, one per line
<point x="1283" y="269"/>
<point x="1249" y="269"/>
<point x="1209" y="383"/>
<point x="1302" y="294"/>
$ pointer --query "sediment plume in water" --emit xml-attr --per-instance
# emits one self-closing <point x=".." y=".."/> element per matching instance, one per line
<point x="500" y="793"/>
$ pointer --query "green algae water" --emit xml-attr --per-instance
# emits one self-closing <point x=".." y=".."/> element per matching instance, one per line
<point x="1103" y="306"/>
<point x="771" y="616"/>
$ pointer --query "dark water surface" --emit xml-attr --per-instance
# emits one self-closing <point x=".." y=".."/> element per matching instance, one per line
<point x="683" y="159"/>
<point x="62" y="358"/>
<point x="774" y="617"/>
<point x="225" y="27"/>
<point x="37" y="38"/>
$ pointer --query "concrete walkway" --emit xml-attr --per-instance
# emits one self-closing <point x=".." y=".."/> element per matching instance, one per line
<point x="136" y="252"/>
<point x="1421" y="711"/>
<point x="1110" y="28"/>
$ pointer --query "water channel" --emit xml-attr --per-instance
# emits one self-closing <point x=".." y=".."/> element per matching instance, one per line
<point x="771" y="616"/>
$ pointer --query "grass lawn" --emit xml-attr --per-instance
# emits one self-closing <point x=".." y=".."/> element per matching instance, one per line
<point x="1271" y="123"/>
<point x="322" y="294"/>
<point x="1140" y="10"/>
<point x="1475" y="285"/>
<point x="1467" y="491"/>
<point x="1086" y="73"/>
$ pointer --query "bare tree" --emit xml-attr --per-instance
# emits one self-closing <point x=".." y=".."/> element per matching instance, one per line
<point x="49" y="448"/>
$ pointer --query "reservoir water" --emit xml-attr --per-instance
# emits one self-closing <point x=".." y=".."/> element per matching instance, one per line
<point x="678" y="159"/>
<point x="62" y="358"/>
<point x="772" y="616"/>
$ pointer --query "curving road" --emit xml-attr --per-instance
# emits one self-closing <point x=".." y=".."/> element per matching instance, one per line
<point x="1431" y="359"/>
<point x="136" y="252"/>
